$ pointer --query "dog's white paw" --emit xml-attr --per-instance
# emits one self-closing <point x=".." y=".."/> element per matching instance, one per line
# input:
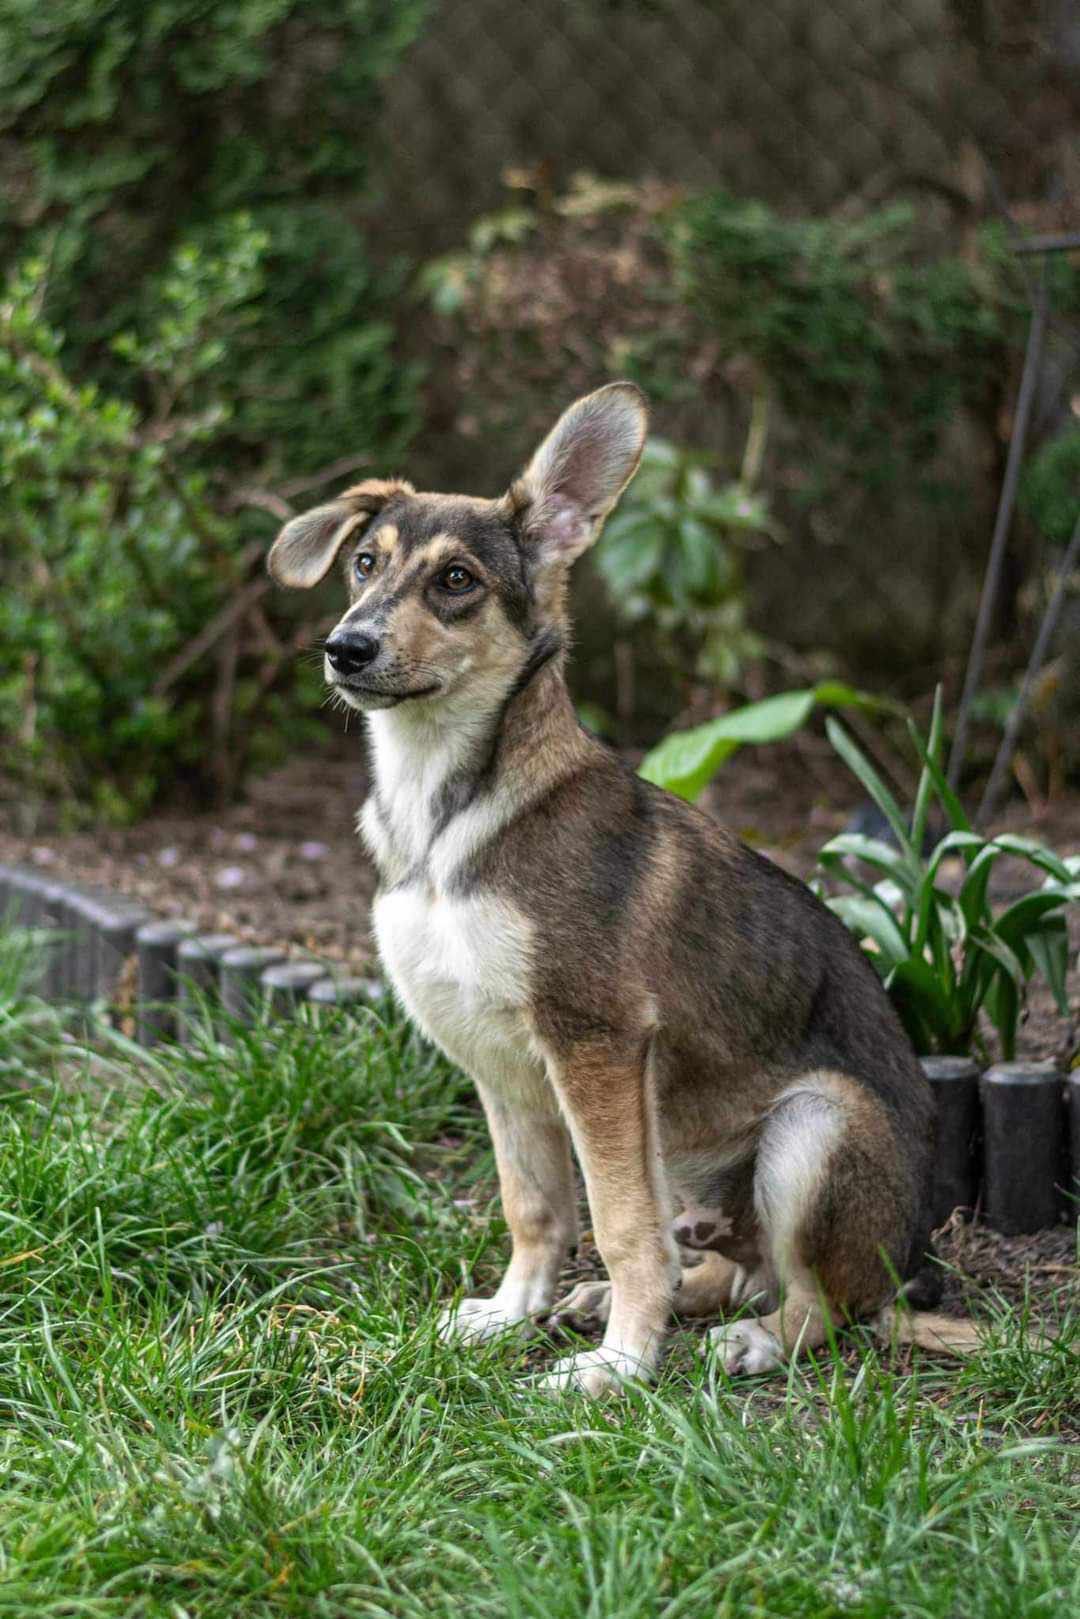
<point x="596" y="1371"/>
<point x="587" y="1304"/>
<point x="474" y="1320"/>
<point x="747" y="1346"/>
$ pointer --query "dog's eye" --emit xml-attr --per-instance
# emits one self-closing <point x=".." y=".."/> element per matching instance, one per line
<point x="456" y="579"/>
<point x="364" y="565"/>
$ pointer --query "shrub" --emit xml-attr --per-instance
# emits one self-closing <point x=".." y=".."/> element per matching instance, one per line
<point x="157" y="347"/>
<point x="120" y="558"/>
<point x="870" y="348"/>
<point x="668" y="557"/>
<point x="127" y="129"/>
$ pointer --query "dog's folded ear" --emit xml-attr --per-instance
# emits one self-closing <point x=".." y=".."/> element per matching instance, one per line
<point x="305" y="549"/>
<point x="580" y="470"/>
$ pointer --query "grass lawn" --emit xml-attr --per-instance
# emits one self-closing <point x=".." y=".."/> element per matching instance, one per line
<point x="221" y="1393"/>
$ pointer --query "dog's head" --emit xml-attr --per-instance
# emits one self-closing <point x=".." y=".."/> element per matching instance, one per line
<point x="448" y="592"/>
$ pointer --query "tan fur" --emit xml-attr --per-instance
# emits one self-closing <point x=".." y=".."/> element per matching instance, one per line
<point x="618" y="1149"/>
<point x="612" y="967"/>
<point x="941" y="1334"/>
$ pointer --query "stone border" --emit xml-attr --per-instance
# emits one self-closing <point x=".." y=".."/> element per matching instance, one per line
<point x="1008" y="1139"/>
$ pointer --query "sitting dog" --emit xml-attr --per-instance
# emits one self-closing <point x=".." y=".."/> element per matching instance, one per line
<point x="615" y="971"/>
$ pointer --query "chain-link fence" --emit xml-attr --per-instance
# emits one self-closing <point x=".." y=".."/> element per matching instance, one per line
<point x="804" y="103"/>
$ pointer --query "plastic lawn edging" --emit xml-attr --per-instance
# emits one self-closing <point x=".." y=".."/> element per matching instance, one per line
<point x="95" y="943"/>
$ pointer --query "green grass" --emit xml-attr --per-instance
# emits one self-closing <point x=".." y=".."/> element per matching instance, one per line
<point x="221" y="1393"/>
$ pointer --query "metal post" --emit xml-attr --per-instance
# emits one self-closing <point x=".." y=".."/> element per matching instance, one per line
<point x="1002" y="523"/>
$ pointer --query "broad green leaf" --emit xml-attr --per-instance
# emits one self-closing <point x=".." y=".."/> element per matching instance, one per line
<point x="629" y="564"/>
<point x="686" y="761"/>
<point x="703" y="559"/>
<point x="920" y="998"/>
<point x="974" y="887"/>
<point x="925" y="901"/>
<point x="1039" y="856"/>
<point x="1025" y="915"/>
<point x="838" y="694"/>
<point x="1049" y="949"/>
<point x="954" y="843"/>
<point x="983" y="939"/>
<point x="871" y="851"/>
<point x="877" y="897"/>
<point x="871" y="918"/>
<point x="733" y="507"/>
<point x="1002" y="1005"/>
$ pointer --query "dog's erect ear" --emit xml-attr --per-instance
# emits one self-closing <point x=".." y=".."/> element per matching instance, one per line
<point x="580" y="470"/>
<point x="305" y="549"/>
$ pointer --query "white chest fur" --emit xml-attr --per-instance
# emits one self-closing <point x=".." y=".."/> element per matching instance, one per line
<point x="462" y="966"/>
<point x="461" y="963"/>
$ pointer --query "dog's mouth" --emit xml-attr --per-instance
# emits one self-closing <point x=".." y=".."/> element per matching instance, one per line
<point x="380" y="694"/>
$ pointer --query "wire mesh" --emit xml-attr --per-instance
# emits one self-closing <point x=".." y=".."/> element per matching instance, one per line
<point x="801" y="102"/>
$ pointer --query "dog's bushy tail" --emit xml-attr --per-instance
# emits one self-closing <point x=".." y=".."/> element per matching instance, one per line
<point x="943" y="1334"/>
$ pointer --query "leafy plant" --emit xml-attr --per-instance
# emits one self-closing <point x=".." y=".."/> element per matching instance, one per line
<point x="125" y="573"/>
<point x="889" y="364"/>
<point x="686" y="761"/>
<point x="128" y="129"/>
<point x="942" y="952"/>
<point x="854" y="330"/>
<point x="669" y="559"/>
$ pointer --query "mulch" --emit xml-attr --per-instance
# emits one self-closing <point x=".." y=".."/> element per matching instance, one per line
<point x="281" y="867"/>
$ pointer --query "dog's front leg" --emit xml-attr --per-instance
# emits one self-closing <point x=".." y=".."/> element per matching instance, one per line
<point x="536" y="1183"/>
<point x="607" y="1095"/>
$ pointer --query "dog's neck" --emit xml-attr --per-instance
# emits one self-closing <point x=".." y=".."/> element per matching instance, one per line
<point x="449" y="773"/>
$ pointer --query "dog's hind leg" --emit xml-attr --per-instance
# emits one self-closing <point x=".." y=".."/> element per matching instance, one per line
<point x="705" y="1288"/>
<point x="708" y="1287"/>
<point x="835" y="1209"/>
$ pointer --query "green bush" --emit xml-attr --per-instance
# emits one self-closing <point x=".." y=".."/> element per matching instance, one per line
<point x="117" y="554"/>
<point x="158" y="350"/>
<point x="128" y="129"/>
<point x="669" y="559"/>
<point x="864" y="340"/>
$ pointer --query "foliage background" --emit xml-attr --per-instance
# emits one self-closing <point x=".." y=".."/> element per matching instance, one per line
<point x="251" y="247"/>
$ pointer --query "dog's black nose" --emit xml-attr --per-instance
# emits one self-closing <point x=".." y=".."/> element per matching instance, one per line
<point x="350" y="651"/>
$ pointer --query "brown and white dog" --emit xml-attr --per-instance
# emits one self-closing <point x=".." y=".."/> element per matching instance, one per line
<point x="617" y="973"/>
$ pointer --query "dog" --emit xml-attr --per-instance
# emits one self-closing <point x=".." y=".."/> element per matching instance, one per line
<point x="622" y="979"/>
